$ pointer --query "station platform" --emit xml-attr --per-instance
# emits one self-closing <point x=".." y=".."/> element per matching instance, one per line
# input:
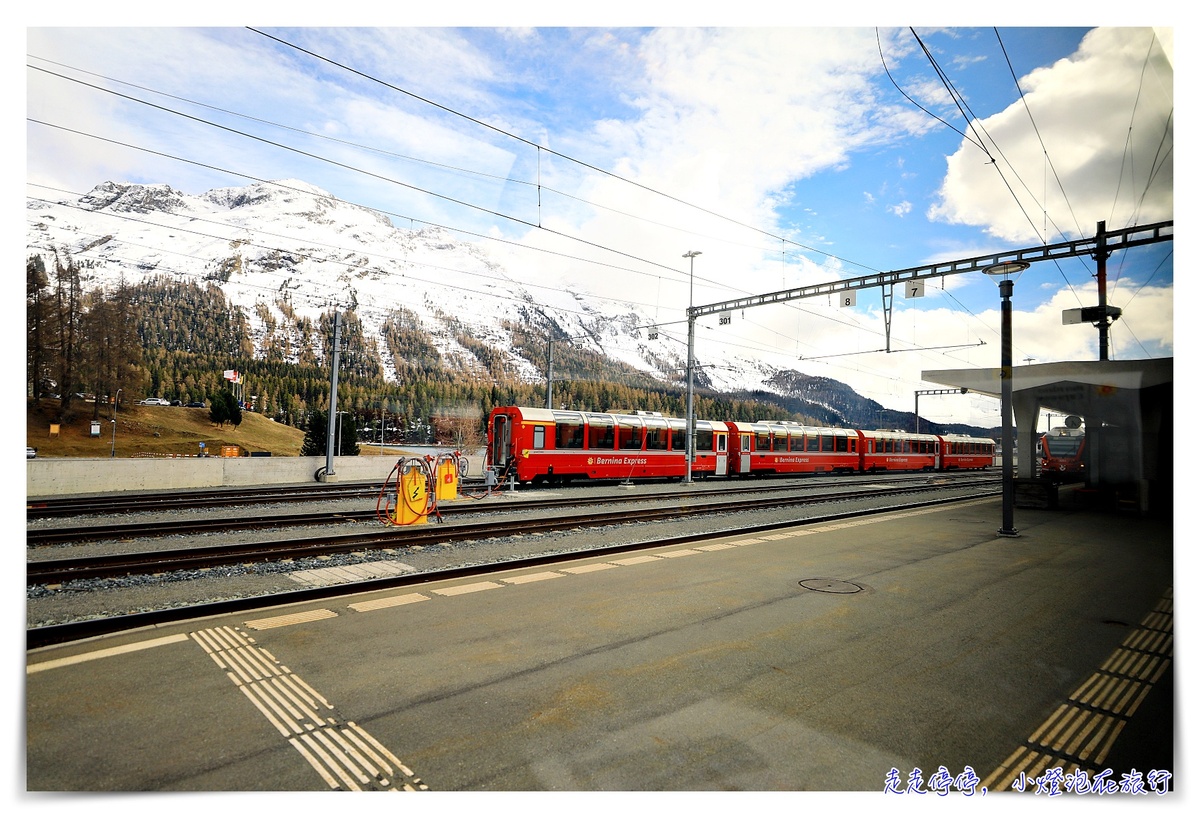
<point x="913" y="654"/>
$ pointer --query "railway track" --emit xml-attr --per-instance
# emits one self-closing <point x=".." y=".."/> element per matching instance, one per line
<point x="146" y="502"/>
<point x="52" y="634"/>
<point x="126" y="503"/>
<point x="59" y="571"/>
<point x="126" y="530"/>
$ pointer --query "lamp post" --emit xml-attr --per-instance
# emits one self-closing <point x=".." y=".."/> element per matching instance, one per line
<point x="691" y="424"/>
<point x="116" y="400"/>
<point x="1002" y="273"/>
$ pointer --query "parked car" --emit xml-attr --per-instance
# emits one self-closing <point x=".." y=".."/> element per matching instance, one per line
<point x="196" y="404"/>
<point x="30" y="453"/>
<point x="155" y="402"/>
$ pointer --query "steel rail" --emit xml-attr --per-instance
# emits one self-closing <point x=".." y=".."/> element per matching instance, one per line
<point x="130" y="530"/>
<point x="48" y="635"/>
<point x="59" y="571"/>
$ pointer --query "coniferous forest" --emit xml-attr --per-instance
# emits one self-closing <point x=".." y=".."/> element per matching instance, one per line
<point x="177" y="339"/>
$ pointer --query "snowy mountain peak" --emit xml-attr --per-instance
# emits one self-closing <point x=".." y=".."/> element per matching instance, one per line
<point x="288" y="253"/>
<point x="133" y="198"/>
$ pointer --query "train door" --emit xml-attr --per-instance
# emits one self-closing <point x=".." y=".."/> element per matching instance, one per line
<point x="720" y="440"/>
<point x="744" y="460"/>
<point x="501" y="441"/>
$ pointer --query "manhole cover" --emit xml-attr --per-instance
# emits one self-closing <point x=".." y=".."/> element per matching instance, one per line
<point x="830" y="586"/>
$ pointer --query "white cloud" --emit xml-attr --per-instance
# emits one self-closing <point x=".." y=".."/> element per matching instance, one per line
<point x="1104" y="123"/>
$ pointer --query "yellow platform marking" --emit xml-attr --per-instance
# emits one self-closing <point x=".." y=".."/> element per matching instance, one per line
<point x="1079" y="734"/>
<point x="387" y="602"/>
<point x="635" y="560"/>
<point x="521" y="580"/>
<point x="101" y="654"/>
<point x="587" y="569"/>
<point x="290" y="619"/>
<point x="456" y="590"/>
<point x="344" y="755"/>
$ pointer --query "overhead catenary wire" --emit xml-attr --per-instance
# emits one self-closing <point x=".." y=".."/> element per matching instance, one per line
<point x="521" y="181"/>
<point x="532" y="144"/>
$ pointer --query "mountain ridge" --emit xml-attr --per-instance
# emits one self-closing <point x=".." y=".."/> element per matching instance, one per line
<point x="285" y="253"/>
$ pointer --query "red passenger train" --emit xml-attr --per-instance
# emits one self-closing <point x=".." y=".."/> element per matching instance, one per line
<point x="1060" y="454"/>
<point x="533" y="445"/>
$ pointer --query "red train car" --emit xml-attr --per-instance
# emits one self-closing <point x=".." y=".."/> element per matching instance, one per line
<point x="773" y="447"/>
<point x="890" y="450"/>
<point x="549" y="445"/>
<point x="964" y="452"/>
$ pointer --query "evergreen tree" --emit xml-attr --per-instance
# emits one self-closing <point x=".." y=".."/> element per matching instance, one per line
<point x="38" y="326"/>
<point x="317" y="431"/>
<point x="218" y="408"/>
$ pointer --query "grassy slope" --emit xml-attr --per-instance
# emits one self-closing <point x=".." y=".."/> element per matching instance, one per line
<point x="155" y="430"/>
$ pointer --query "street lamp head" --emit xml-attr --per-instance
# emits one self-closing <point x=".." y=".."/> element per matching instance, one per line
<point x="1006" y="270"/>
<point x="691" y="254"/>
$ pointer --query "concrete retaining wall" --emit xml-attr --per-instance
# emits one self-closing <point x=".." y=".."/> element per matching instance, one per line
<point x="102" y="475"/>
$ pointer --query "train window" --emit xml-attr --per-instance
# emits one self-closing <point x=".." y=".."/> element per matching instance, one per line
<point x="678" y="435"/>
<point x="797" y="441"/>
<point x="704" y="440"/>
<point x="629" y="434"/>
<point x="762" y="439"/>
<point x="827" y="443"/>
<point x="539" y="437"/>
<point x="656" y="434"/>
<point x="568" y="435"/>
<point x="600" y="432"/>
<point x="908" y="447"/>
<point x="839" y="443"/>
<point x="779" y="441"/>
<point x="745" y="443"/>
<point x="720" y="442"/>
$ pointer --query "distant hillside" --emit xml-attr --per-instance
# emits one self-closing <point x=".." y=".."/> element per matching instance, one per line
<point x="204" y="286"/>
<point x="833" y="403"/>
<point x="153" y="430"/>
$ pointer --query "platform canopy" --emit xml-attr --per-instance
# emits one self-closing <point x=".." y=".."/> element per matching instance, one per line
<point x="1126" y="407"/>
<point x="1085" y="388"/>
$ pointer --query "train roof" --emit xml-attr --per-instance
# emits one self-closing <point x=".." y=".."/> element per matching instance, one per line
<point x="896" y="433"/>
<point x="541" y="415"/>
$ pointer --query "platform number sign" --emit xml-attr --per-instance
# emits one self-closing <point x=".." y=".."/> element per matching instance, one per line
<point x="725" y="318"/>
<point x="653" y="333"/>
<point x="914" y="289"/>
<point x="848" y="298"/>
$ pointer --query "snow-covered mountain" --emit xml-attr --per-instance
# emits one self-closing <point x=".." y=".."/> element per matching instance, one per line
<point x="286" y="250"/>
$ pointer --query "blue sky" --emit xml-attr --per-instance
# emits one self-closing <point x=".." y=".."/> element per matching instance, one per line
<point x="783" y="153"/>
